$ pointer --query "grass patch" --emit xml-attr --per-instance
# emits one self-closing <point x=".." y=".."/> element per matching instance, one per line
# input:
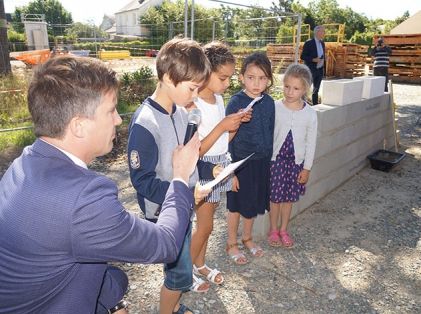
<point x="13" y="104"/>
<point x="135" y="87"/>
<point x="19" y="138"/>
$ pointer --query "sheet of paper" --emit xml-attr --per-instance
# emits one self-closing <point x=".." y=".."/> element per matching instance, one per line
<point x="224" y="173"/>
<point x="252" y="103"/>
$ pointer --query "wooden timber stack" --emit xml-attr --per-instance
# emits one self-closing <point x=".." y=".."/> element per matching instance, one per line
<point x="281" y="55"/>
<point x="345" y="60"/>
<point x="405" y="61"/>
<point x="342" y="60"/>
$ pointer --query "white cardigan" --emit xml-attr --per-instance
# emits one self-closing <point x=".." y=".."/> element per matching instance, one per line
<point x="303" y="124"/>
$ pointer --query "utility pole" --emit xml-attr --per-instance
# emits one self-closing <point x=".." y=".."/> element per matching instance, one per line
<point x="5" y="67"/>
<point x="192" y="20"/>
<point x="186" y="16"/>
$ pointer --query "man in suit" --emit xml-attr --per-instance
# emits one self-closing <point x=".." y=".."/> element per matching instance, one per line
<point x="61" y="223"/>
<point x="313" y="55"/>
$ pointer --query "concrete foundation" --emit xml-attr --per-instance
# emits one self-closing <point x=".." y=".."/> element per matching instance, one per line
<point x="346" y="135"/>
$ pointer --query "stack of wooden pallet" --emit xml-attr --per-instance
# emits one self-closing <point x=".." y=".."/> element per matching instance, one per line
<point x="281" y="55"/>
<point x="405" y="61"/>
<point x="349" y="59"/>
<point x="342" y="60"/>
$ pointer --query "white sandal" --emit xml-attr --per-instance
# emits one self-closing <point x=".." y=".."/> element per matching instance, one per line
<point x="197" y="282"/>
<point x="211" y="276"/>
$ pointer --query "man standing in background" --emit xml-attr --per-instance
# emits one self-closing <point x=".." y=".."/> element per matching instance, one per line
<point x="313" y="55"/>
<point x="381" y="55"/>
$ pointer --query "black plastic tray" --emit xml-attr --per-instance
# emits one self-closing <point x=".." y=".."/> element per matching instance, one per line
<point x="385" y="160"/>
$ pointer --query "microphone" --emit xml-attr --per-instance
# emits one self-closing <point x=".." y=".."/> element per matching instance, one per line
<point x="194" y="118"/>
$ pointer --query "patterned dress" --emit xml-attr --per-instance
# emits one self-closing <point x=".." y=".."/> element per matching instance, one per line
<point x="284" y="173"/>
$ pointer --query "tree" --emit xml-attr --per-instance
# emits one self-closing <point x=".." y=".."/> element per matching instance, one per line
<point x="5" y="67"/>
<point x="81" y="30"/>
<point x="249" y="25"/>
<point x="55" y="15"/>
<point x="282" y="6"/>
<point x="402" y="18"/>
<point x="227" y="15"/>
<point x="167" y="20"/>
<point x="306" y="14"/>
<point x="325" y="11"/>
<point x="354" y="22"/>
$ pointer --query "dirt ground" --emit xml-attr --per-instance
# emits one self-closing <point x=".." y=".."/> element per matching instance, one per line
<point x="358" y="250"/>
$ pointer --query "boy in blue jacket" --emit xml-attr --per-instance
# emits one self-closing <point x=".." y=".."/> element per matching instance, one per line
<point x="157" y="127"/>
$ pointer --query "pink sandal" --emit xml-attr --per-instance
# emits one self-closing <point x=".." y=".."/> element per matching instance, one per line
<point x="274" y="239"/>
<point x="286" y="240"/>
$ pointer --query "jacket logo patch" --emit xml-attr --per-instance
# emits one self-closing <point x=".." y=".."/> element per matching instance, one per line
<point x="134" y="159"/>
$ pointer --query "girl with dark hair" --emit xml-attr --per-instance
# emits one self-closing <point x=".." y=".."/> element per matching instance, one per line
<point x="250" y="194"/>
<point x="215" y="131"/>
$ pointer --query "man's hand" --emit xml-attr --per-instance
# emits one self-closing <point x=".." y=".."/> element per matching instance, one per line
<point x="185" y="158"/>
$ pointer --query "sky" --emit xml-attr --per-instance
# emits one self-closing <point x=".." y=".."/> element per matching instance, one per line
<point x="93" y="10"/>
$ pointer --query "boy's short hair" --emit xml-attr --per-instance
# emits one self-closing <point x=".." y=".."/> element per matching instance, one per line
<point x="183" y="60"/>
<point x="65" y="87"/>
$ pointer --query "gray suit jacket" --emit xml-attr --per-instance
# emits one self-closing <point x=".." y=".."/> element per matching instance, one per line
<point x="59" y="226"/>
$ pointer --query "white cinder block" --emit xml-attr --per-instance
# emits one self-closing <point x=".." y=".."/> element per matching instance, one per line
<point x="373" y="86"/>
<point x="342" y="92"/>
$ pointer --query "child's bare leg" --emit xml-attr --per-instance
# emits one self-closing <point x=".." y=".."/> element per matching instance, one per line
<point x="201" y="258"/>
<point x="286" y="209"/>
<point x="233" y="221"/>
<point x="275" y="209"/>
<point x="247" y="238"/>
<point x="247" y="230"/>
<point x="168" y="301"/>
<point x="204" y="227"/>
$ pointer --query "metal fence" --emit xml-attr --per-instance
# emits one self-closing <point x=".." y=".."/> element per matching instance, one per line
<point x="250" y="33"/>
<point x="238" y="33"/>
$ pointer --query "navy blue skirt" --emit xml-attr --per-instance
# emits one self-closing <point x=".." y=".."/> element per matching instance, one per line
<point x="252" y="198"/>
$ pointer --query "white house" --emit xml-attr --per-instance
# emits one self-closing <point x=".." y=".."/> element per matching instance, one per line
<point x="127" y="19"/>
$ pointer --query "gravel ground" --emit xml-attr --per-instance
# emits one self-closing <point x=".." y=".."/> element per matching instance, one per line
<point x="358" y="250"/>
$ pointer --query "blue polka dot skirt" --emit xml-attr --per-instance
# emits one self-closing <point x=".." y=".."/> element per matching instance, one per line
<point x="284" y="174"/>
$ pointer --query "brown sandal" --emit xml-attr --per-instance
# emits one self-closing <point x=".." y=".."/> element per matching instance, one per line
<point x="239" y="258"/>
<point x="256" y="251"/>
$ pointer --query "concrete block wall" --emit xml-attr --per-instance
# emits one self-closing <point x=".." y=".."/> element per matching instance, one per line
<point x="341" y="92"/>
<point x="346" y="135"/>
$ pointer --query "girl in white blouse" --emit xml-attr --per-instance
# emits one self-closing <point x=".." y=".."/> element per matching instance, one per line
<point x="293" y="151"/>
<point x="215" y="131"/>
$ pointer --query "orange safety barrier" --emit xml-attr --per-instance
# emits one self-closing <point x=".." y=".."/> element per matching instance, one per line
<point x="33" y="57"/>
